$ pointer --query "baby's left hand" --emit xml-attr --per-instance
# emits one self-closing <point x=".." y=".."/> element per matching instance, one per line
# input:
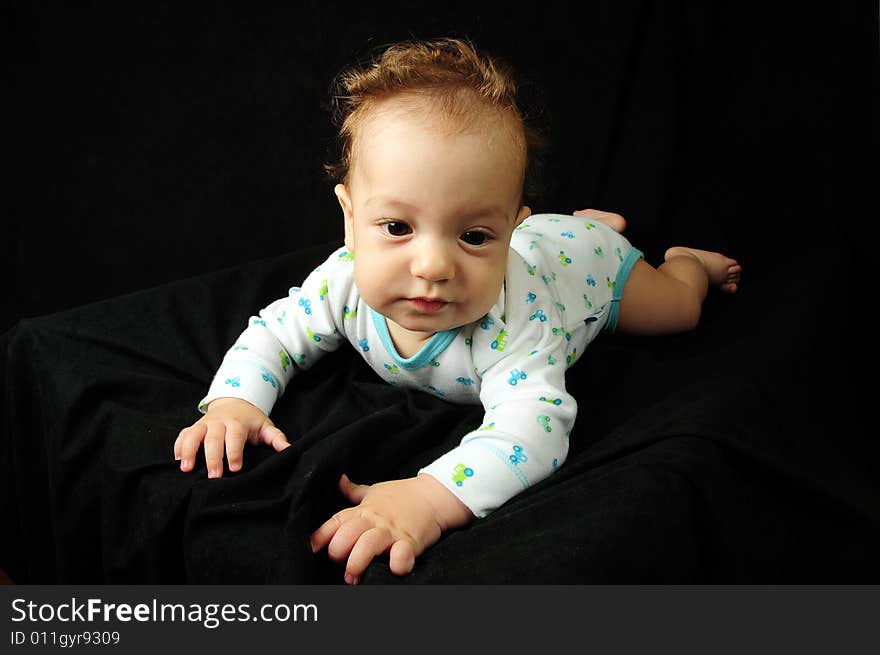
<point x="406" y="516"/>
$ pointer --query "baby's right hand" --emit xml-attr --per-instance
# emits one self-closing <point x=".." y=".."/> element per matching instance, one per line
<point x="228" y="424"/>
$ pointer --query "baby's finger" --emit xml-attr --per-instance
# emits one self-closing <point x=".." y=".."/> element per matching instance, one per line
<point x="215" y="440"/>
<point x="236" y="437"/>
<point x="353" y="492"/>
<point x="187" y="445"/>
<point x="272" y="436"/>
<point x="346" y="536"/>
<point x="177" y="444"/>
<point x="371" y="543"/>
<point x="402" y="556"/>
<point x="322" y="536"/>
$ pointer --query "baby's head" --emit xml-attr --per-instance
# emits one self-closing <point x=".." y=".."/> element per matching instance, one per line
<point x="434" y="151"/>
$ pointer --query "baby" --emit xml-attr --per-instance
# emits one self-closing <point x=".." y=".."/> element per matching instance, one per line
<point x="446" y="283"/>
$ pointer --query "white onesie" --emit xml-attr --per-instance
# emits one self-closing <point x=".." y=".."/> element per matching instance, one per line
<point x="562" y="286"/>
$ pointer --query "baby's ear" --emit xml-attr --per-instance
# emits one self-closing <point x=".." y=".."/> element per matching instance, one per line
<point x="345" y="202"/>
<point x="343" y="198"/>
<point x="524" y="212"/>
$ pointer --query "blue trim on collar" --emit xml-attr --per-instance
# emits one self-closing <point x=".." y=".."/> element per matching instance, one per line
<point x="430" y="351"/>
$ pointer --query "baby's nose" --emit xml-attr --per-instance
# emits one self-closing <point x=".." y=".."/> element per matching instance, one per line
<point x="433" y="264"/>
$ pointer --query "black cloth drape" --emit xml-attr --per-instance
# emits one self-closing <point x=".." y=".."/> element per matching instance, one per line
<point x="716" y="456"/>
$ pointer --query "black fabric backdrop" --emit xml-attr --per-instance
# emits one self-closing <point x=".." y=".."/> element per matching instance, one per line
<point x="167" y="183"/>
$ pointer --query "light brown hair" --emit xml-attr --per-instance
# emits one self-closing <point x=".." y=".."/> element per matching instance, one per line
<point x="462" y="84"/>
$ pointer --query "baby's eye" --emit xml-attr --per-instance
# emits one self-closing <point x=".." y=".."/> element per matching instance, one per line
<point x="474" y="238"/>
<point x="396" y="228"/>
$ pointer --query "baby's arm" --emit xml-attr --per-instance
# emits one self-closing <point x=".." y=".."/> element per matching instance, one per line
<point x="404" y="517"/>
<point x="507" y="454"/>
<point x="289" y="335"/>
<point x="529" y="415"/>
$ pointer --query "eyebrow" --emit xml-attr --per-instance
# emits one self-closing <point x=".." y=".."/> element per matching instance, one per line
<point x="389" y="202"/>
<point x="404" y="206"/>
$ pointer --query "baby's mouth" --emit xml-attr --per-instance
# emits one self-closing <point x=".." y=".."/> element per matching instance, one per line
<point x="428" y="305"/>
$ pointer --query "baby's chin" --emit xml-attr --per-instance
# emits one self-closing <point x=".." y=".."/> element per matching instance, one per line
<point x="426" y="327"/>
<point x="450" y="318"/>
<point x="431" y="324"/>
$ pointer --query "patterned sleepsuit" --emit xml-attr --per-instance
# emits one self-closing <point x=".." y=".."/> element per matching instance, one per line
<point x="564" y="278"/>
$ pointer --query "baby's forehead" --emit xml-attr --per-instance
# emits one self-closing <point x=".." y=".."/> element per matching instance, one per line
<point x="448" y="113"/>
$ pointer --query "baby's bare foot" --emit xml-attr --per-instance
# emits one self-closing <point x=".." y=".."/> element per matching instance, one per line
<point x="615" y="221"/>
<point x="723" y="272"/>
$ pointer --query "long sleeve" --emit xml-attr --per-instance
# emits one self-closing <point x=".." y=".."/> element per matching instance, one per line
<point x="287" y="336"/>
<point x="524" y="434"/>
<point x="520" y="352"/>
<point x="563" y="282"/>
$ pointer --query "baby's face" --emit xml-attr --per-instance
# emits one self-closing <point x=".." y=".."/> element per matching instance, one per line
<point x="428" y="215"/>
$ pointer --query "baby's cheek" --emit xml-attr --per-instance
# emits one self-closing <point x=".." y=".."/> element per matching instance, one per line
<point x="485" y="295"/>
